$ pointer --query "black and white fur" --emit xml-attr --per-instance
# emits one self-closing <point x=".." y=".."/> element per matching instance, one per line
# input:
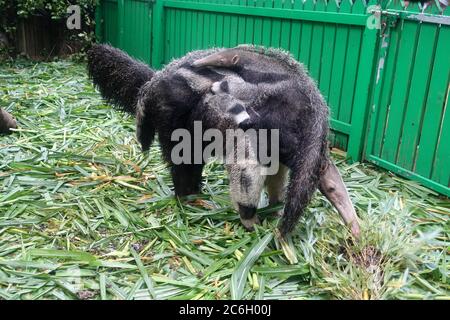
<point x="298" y="111"/>
<point x="249" y="94"/>
<point x="258" y="86"/>
<point x="166" y="101"/>
<point x="247" y="176"/>
<point x="237" y="109"/>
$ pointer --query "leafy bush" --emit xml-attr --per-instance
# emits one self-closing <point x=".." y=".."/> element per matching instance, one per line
<point x="13" y="10"/>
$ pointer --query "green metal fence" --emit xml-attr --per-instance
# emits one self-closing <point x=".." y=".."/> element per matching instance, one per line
<point x="409" y="130"/>
<point x="368" y="66"/>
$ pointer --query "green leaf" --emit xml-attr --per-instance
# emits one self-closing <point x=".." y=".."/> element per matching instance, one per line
<point x="282" y="271"/>
<point x="148" y="281"/>
<point x="239" y="275"/>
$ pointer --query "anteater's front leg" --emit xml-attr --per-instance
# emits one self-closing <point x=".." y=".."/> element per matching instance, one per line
<point x="187" y="178"/>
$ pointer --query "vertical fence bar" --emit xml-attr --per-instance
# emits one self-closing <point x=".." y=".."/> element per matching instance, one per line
<point x="363" y="94"/>
<point x="120" y="22"/>
<point x="99" y="21"/>
<point x="158" y="34"/>
<point x="377" y="89"/>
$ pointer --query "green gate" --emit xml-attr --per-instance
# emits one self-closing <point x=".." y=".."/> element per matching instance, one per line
<point x="330" y="40"/>
<point x="359" y="64"/>
<point x="126" y="24"/>
<point x="409" y="131"/>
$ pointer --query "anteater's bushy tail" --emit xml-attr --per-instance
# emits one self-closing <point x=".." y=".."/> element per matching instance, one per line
<point x="117" y="75"/>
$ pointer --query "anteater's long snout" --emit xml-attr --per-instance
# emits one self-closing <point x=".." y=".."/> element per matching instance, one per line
<point x="213" y="60"/>
<point x="202" y="62"/>
<point x="226" y="58"/>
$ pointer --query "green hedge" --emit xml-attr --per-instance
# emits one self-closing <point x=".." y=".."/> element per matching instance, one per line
<point x="13" y="10"/>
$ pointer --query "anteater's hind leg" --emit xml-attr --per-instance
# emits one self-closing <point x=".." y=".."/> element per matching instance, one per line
<point x="246" y="184"/>
<point x="276" y="187"/>
<point x="332" y="186"/>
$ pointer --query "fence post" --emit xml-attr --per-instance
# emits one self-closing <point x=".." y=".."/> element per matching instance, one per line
<point x="157" y="33"/>
<point x="363" y="94"/>
<point x="120" y="19"/>
<point x="99" y="21"/>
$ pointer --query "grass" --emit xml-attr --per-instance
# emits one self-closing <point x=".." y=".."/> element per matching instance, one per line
<point x="85" y="215"/>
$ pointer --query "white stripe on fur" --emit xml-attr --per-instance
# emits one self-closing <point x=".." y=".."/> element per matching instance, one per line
<point x="241" y="117"/>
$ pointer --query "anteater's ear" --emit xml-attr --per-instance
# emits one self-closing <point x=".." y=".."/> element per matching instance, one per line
<point x="235" y="59"/>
